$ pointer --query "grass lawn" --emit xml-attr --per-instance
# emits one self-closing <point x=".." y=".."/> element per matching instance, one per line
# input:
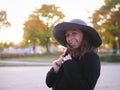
<point x="52" y="57"/>
<point x="37" y="58"/>
<point x="44" y="58"/>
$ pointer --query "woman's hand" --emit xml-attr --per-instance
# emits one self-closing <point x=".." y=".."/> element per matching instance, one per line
<point x="57" y="64"/>
<point x="68" y="57"/>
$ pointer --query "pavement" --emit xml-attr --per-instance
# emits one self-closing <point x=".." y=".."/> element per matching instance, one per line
<point x="23" y="63"/>
<point x="32" y="78"/>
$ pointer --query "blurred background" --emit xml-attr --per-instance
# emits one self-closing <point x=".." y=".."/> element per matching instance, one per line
<point x="26" y="25"/>
<point x="26" y="39"/>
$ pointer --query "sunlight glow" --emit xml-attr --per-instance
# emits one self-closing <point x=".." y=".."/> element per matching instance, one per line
<point x="9" y="35"/>
<point x="19" y="10"/>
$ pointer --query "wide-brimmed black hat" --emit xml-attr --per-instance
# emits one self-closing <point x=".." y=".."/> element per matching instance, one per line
<point x="59" y="31"/>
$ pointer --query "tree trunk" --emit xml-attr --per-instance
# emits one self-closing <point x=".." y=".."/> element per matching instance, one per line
<point x="47" y="45"/>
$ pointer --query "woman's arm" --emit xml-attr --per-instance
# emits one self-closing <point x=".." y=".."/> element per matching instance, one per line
<point x="51" y="78"/>
<point x="92" y="69"/>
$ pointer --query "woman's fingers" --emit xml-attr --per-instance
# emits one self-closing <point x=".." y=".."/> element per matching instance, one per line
<point x="68" y="57"/>
<point x="57" y="64"/>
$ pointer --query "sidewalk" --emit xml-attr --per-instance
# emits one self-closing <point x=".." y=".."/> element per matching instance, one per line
<point x="23" y="63"/>
<point x="33" y="78"/>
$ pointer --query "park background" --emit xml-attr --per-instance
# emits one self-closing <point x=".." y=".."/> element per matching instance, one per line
<point x="27" y="47"/>
<point x="26" y="26"/>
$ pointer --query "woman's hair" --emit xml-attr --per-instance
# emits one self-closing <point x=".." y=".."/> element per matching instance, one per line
<point x="86" y="46"/>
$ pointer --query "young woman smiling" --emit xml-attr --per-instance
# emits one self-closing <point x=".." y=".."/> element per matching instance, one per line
<point x="79" y="66"/>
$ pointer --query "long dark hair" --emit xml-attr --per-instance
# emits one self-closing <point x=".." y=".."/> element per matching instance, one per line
<point x="86" y="46"/>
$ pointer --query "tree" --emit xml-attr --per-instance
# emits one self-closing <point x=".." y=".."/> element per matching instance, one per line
<point x="3" y="24"/>
<point x="40" y="24"/>
<point x="3" y="20"/>
<point x="32" y="32"/>
<point x="107" y="21"/>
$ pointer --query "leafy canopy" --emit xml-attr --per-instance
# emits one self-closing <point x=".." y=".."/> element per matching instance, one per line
<point x="37" y="29"/>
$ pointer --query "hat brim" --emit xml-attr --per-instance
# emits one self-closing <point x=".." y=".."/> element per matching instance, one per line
<point x="59" y="32"/>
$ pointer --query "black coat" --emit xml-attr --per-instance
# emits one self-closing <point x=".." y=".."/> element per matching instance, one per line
<point x="76" y="74"/>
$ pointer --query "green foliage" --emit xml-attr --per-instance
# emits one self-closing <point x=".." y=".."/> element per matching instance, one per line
<point x="49" y="14"/>
<point x="110" y="58"/>
<point x="1" y="46"/>
<point x="32" y="31"/>
<point x="38" y="28"/>
<point x="107" y="21"/>
<point x="6" y="45"/>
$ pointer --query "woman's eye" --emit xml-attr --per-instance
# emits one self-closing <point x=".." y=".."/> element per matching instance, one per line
<point x="67" y="35"/>
<point x="74" y="33"/>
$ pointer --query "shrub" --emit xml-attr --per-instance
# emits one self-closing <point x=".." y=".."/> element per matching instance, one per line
<point x="110" y="58"/>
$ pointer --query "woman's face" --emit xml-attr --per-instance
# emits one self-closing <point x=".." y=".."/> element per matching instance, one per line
<point x="74" y="38"/>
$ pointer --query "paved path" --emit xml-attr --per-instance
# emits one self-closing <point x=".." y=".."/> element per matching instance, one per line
<point x="110" y="77"/>
<point x="23" y="63"/>
<point x="33" y="78"/>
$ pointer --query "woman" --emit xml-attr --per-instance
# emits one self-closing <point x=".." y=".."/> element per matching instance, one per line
<point x="79" y="67"/>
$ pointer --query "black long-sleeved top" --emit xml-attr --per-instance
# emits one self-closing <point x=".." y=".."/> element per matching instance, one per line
<point x="76" y="74"/>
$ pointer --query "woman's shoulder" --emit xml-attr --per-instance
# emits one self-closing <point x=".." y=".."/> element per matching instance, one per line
<point x="91" y="56"/>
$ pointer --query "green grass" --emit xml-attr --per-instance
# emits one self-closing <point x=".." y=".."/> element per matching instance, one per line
<point x="44" y="57"/>
<point x="52" y="57"/>
<point x="41" y="58"/>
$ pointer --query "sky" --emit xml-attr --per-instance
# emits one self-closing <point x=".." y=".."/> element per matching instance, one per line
<point x="18" y="11"/>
